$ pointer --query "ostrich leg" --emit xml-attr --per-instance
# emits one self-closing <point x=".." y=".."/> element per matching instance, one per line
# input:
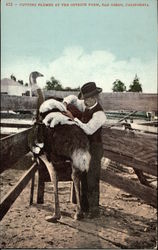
<point x="54" y="180"/>
<point x="57" y="214"/>
<point x="76" y="180"/>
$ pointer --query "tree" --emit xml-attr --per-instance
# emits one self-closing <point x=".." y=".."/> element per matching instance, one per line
<point x="72" y="89"/>
<point x="118" y="86"/>
<point x="53" y="84"/>
<point x="21" y="82"/>
<point x="68" y="89"/>
<point x="135" y="86"/>
<point x="13" y="77"/>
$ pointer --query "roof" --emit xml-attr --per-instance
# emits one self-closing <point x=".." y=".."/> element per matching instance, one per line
<point x="7" y="82"/>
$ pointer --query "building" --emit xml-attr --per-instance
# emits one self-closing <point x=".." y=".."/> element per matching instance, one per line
<point x="11" y="87"/>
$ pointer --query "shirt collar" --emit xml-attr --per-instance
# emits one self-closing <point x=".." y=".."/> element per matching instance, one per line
<point x="89" y="108"/>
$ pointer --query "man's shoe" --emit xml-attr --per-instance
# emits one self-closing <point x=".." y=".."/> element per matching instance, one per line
<point x="93" y="213"/>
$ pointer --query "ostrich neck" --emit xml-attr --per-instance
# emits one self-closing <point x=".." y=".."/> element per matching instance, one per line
<point x="40" y="96"/>
<point x="40" y="100"/>
<point x="32" y="80"/>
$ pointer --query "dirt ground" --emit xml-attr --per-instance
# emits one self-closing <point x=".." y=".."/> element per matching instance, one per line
<point x="124" y="221"/>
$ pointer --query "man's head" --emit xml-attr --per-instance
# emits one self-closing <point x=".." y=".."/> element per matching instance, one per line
<point x="89" y="89"/>
<point x="90" y="101"/>
<point x="89" y="93"/>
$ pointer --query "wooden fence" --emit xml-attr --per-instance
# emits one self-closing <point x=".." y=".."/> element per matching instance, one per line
<point x="110" y="101"/>
<point x="131" y="148"/>
<point x="13" y="147"/>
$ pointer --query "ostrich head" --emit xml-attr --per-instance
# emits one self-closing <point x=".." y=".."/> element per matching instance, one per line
<point x="33" y="76"/>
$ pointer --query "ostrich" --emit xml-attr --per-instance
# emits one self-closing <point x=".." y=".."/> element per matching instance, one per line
<point x="63" y="139"/>
<point x="57" y="137"/>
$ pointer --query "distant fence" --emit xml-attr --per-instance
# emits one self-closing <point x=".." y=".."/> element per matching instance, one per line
<point x="110" y="101"/>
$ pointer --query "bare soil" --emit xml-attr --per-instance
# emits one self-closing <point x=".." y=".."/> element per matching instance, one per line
<point x="124" y="221"/>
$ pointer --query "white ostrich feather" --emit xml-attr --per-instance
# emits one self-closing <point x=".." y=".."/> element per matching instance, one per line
<point x="36" y="150"/>
<point x="81" y="159"/>
<point x="52" y="104"/>
<point x="47" y="120"/>
<point x="55" y="118"/>
<point x="40" y="145"/>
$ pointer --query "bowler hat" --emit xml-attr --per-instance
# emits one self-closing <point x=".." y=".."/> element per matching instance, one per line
<point x="89" y="89"/>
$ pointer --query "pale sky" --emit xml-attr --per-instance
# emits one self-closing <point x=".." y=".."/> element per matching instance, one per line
<point x="81" y="44"/>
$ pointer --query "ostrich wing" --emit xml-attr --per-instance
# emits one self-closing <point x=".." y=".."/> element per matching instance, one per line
<point x="55" y="118"/>
<point x="51" y="104"/>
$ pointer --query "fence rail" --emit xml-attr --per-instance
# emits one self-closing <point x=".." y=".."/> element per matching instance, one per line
<point x="14" y="125"/>
<point x="133" y="149"/>
<point x="10" y="197"/>
<point x="13" y="147"/>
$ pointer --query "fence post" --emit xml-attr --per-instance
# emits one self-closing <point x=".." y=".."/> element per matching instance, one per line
<point x="73" y="194"/>
<point x="43" y="176"/>
<point x="40" y="190"/>
<point x="32" y="189"/>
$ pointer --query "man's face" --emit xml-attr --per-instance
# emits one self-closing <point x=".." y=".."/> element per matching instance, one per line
<point x="90" y="101"/>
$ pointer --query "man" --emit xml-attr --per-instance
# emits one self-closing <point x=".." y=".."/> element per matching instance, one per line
<point x="92" y="119"/>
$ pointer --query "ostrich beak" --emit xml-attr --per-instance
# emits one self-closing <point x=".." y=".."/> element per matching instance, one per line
<point x="41" y="75"/>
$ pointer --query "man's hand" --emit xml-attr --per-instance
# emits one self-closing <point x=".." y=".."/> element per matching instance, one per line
<point x="65" y="104"/>
<point x="69" y="114"/>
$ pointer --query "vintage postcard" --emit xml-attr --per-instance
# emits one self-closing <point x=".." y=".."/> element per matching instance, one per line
<point x="78" y="124"/>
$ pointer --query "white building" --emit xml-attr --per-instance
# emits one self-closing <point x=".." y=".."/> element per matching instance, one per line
<point x="11" y="87"/>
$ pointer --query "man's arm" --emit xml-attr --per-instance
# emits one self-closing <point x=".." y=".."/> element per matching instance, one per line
<point x="97" y="121"/>
<point x="72" y="99"/>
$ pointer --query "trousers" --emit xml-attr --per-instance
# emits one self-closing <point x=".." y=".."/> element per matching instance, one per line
<point x="90" y="191"/>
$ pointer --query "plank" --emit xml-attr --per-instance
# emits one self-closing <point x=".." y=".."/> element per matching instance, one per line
<point x="147" y="194"/>
<point x="133" y="149"/>
<point x="13" y="147"/>
<point x="134" y="126"/>
<point x="11" y="196"/>
<point x="149" y="123"/>
<point x="110" y="101"/>
<point x="145" y="128"/>
<point x="15" y="125"/>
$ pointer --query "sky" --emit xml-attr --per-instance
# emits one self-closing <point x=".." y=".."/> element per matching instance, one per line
<point x="78" y="44"/>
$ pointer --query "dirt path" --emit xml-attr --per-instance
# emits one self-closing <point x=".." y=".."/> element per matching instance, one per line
<point x="124" y="221"/>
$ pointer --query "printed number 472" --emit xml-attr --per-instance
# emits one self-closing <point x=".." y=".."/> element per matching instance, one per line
<point x="9" y="4"/>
